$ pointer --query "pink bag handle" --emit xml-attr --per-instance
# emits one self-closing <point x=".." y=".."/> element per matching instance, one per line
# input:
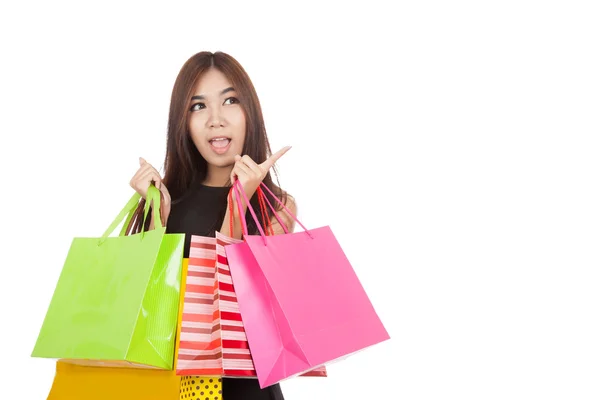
<point x="285" y="208"/>
<point x="238" y="189"/>
<point x="266" y="200"/>
<point x="263" y="211"/>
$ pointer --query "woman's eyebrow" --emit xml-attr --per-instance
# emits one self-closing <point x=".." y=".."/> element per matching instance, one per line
<point x="201" y="97"/>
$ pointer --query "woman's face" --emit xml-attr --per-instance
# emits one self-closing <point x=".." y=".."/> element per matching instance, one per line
<point x="217" y="123"/>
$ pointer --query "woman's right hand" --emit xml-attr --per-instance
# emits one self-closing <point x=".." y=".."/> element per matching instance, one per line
<point x="142" y="179"/>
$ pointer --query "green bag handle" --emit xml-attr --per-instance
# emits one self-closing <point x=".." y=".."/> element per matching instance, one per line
<point x="129" y="217"/>
<point x="129" y="209"/>
<point x="154" y="197"/>
<point x="127" y="221"/>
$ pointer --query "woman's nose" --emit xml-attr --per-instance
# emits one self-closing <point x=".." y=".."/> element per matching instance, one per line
<point x="216" y="118"/>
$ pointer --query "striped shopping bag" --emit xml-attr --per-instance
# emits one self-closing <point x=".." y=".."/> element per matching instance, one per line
<point x="212" y="339"/>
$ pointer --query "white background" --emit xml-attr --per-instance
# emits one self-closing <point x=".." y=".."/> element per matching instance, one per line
<point x="451" y="146"/>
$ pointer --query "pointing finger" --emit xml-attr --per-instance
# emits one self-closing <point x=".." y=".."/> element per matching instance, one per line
<point x="273" y="159"/>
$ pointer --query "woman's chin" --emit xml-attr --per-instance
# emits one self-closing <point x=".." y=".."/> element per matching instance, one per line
<point x="220" y="162"/>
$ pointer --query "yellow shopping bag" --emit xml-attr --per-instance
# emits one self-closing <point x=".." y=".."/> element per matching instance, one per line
<point x="77" y="382"/>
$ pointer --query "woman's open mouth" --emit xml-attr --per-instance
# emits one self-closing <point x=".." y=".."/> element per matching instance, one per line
<point x="220" y="145"/>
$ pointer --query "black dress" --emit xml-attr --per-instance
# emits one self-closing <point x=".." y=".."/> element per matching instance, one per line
<point x="201" y="211"/>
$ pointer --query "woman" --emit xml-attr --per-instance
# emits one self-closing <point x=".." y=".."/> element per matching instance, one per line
<point x="216" y="134"/>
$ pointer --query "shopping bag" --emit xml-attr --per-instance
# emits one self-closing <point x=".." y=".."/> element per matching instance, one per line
<point x="76" y="382"/>
<point x="301" y="302"/>
<point x="116" y="300"/>
<point x="201" y="388"/>
<point x="213" y="340"/>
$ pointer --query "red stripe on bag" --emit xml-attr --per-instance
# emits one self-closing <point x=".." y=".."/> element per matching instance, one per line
<point x="226" y="286"/>
<point x="201" y="274"/>
<point x="231" y="316"/>
<point x="202" y="357"/>
<point x="214" y="328"/>
<point x="197" y="317"/>
<point x="188" y="345"/>
<point x="199" y="301"/>
<point x="237" y="356"/>
<point x="235" y="344"/>
<point x="187" y="329"/>
<point x="201" y="245"/>
<point x="228" y="298"/>
<point x="239" y="372"/>
<point x="232" y="328"/>
<point x="189" y="288"/>
<point x="201" y="262"/>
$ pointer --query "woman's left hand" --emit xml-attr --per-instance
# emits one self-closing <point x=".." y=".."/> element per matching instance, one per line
<point x="250" y="174"/>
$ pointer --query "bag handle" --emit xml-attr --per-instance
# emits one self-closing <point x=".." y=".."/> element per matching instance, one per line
<point x="265" y="213"/>
<point x="127" y="223"/>
<point x="284" y="207"/>
<point x="238" y="198"/>
<point x="239" y="189"/>
<point x="153" y="196"/>
<point x="263" y="210"/>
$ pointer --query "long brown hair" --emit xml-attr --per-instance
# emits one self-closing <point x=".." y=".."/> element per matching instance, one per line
<point x="183" y="163"/>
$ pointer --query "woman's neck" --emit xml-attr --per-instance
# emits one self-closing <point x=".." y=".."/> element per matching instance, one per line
<point x="217" y="176"/>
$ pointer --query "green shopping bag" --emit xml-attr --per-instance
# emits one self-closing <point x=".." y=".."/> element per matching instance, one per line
<point x="117" y="298"/>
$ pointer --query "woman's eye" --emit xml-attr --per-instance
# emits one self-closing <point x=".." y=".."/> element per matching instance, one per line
<point x="197" y="106"/>
<point x="233" y="100"/>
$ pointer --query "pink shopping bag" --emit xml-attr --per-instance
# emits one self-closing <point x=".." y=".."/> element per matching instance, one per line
<point x="213" y="340"/>
<point x="301" y="302"/>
